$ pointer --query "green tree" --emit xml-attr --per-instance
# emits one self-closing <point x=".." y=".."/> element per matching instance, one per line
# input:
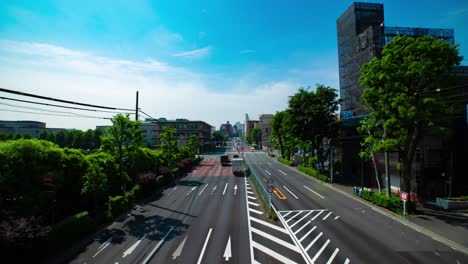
<point x="43" y="135"/>
<point x="193" y="144"/>
<point x="278" y="130"/>
<point x="169" y="146"/>
<point x="123" y="137"/>
<point x="402" y="92"/>
<point x="60" y="138"/>
<point x="95" y="184"/>
<point x="218" y="137"/>
<point x="257" y="136"/>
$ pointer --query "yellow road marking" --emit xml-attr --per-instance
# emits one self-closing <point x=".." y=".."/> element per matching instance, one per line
<point x="279" y="194"/>
<point x="265" y="180"/>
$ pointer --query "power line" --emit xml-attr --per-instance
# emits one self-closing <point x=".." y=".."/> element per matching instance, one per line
<point x="82" y="116"/>
<point x="40" y="109"/>
<point x="147" y="115"/>
<point x="63" y="106"/>
<point x="60" y="100"/>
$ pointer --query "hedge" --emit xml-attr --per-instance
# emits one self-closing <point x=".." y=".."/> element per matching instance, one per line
<point x="392" y="203"/>
<point x="285" y="161"/>
<point x="118" y="205"/>
<point x="71" y="230"/>
<point x="312" y="172"/>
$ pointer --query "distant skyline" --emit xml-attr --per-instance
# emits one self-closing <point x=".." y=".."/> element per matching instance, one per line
<point x="202" y="60"/>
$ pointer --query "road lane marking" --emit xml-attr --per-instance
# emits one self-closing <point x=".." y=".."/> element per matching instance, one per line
<point x="336" y="217"/>
<point x="204" y="246"/>
<point x="133" y="247"/>
<point x="293" y="216"/>
<point x="227" y="252"/>
<point x="291" y="192"/>
<point x="251" y="197"/>
<point x="203" y="189"/>
<point x="346" y="261"/>
<point x="173" y="189"/>
<point x="284" y="216"/>
<point x="214" y="189"/>
<point x="178" y="251"/>
<point x="248" y="224"/>
<point x="249" y="192"/>
<point x="254" y="204"/>
<point x="320" y="251"/>
<point x="275" y="239"/>
<point x="307" y="234"/>
<point x="272" y="253"/>
<point x="313" y="242"/>
<point x="268" y="172"/>
<point x="317" y="215"/>
<point x="156" y="247"/>
<point x="327" y="216"/>
<point x="314" y="192"/>
<point x="279" y="194"/>
<point x="225" y="187"/>
<point x="303" y="226"/>
<point x="191" y="190"/>
<point x="330" y="260"/>
<point x="255" y="211"/>
<point x="282" y="172"/>
<point x="268" y="163"/>
<point x="103" y="246"/>
<point x="300" y="219"/>
<point x="269" y="225"/>
<point x="235" y="189"/>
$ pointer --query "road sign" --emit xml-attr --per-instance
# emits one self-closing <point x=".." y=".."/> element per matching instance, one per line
<point x="404" y="196"/>
<point x="270" y="189"/>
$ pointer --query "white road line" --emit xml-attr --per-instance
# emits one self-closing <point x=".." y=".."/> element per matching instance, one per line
<point x="282" y="172"/>
<point x="268" y="172"/>
<point x="327" y="216"/>
<point x="336" y="217"/>
<point x="255" y="211"/>
<point x="320" y="251"/>
<point x="275" y="239"/>
<point x="291" y="193"/>
<point x="103" y="246"/>
<point x="272" y="253"/>
<point x="254" y="204"/>
<point x="179" y="249"/>
<point x="251" y="197"/>
<point x="268" y="163"/>
<point x="313" y="242"/>
<point x="346" y="261"/>
<point x="269" y="225"/>
<point x="249" y="192"/>
<point x="293" y="216"/>
<point x="156" y="247"/>
<point x="300" y="220"/>
<point x="203" y="189"/>
<point x="303" y="226"/>
<point x="287" y="214"/>
<point x="308" y="233"/>
<point x="317" y="215"/>
<point x="314" y="192"/>
<point x="227" y="252"/>
<point x="133" y="247"/>
<point x="225" y="187"/>
<point x="204" y="246"/>
<point x="330" y="260"/>
<point x="250" y="229"/>
<point x="191" y="190"/>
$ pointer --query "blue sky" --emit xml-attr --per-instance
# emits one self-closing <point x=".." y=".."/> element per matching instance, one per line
<point x="187" y="58"/>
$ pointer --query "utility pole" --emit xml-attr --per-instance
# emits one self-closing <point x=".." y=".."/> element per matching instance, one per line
<point x="136" y="108"/>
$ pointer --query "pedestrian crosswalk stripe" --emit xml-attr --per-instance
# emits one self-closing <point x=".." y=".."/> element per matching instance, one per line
<point x="271" y="253"/>
<point x="275" y="239"/>
<point x="269" y="225"/>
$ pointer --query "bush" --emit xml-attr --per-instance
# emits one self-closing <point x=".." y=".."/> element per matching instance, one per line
<point x="285" y="161"/>
<point x="133" y="196"/>
<point x="312" y="172"/>
<point x="118" y="205"/>
<point x="160" y="180"/>
<point x="392" y="203"/>
<point x="70" y="230"/>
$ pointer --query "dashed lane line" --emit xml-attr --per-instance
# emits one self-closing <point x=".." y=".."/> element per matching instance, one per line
<point x="203" y="189"/>
<point x="336" y="217"/>
<point x="291" y="192"/>
<point x="204" y="246"/>
<point x="282" y="172"/>
<point x="156" y="247"/>
<point x="268" y="163"/>
<point x="314" y="192"/>
<point x="268" y="172"/>
<point x="271" y="253"/>
<point x="269" y="225"/>
<point x="325" y="218"/>
<point x="276" y="240"/>
<point x="320" y="251"/>
<point x="225" y="187"/>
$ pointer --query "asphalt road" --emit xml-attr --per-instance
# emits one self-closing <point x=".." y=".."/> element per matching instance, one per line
<point x="203" y="219"/>
<point x="329" y="227"/>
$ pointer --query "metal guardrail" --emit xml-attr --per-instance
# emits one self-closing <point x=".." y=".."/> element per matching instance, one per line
<point x="263" y="191"/>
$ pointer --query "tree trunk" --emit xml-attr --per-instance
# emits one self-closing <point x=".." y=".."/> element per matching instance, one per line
<point x="406" y="174"/>
<point x="281" y="146"/>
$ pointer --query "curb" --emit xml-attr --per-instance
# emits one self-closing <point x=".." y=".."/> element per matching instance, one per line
<point x="396" y="217"/>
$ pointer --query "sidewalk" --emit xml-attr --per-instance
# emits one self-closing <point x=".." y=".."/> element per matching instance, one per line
<point x="450" y="225"/>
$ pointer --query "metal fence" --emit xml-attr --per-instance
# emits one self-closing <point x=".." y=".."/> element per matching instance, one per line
<point x="258" y="182"/>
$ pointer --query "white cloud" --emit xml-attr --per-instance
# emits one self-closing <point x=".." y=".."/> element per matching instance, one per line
<point x="247" y="51"/>
<point x="194" y="54"/>
<point x="165" y="91"/>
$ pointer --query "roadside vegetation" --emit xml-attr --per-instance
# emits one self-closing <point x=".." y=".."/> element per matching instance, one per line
<point x="269" y="212"/>
<point x="392" y="203"/>
<point x="51" y="196"/>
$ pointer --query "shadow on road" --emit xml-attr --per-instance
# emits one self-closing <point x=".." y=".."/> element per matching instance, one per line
<point x="155" y="227"/>
<point x="189" y="183"/>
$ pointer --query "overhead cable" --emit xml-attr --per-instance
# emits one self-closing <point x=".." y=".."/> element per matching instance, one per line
<point x="82" y="116"/>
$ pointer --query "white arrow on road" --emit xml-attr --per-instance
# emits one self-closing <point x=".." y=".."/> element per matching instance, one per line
<point x="227" y="251"/>
<point x="214" y="189"/>
<point x="133" y="247"/>
<point x="178" y="251"/>
<point x="191" y="190"/>
<point x="235" y="189"/>
<point x="103" y="246"/>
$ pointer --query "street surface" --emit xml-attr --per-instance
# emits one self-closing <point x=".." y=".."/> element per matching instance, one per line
<point x="329" y="227"/>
